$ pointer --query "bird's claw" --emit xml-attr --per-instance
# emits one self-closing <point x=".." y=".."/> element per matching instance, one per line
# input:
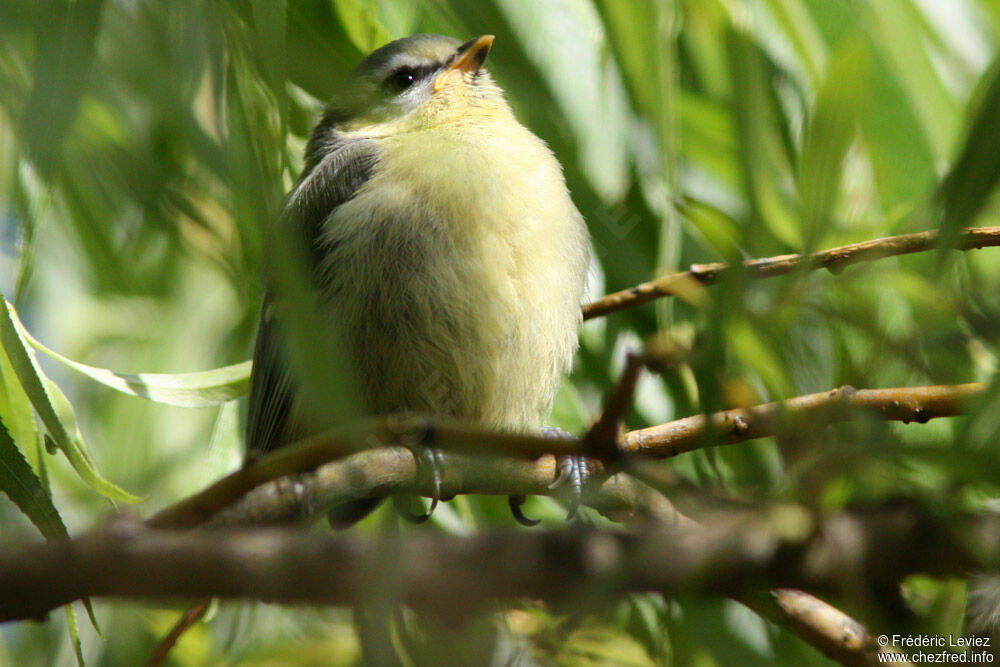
<point x="572" y="470"/>
<point x="515" y="502"/>
<point x="428" y="459"/>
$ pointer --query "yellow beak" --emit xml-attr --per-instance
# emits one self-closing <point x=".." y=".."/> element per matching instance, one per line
<point x="469" y="58"/>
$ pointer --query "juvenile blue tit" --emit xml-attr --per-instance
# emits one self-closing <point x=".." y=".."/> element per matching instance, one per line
<point x="442" y="239"/>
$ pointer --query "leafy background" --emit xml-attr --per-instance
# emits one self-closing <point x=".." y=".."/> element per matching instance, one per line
<point x="144" y="145"/>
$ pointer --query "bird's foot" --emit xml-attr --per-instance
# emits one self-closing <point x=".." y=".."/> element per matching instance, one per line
<point x="429" y="461"/>
<point x="573" y="471"/>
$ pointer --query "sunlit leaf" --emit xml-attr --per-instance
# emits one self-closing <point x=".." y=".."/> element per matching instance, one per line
<point x="360" y="20"/>
<point x="53" y="407"/>
<point x="187" y="390"/>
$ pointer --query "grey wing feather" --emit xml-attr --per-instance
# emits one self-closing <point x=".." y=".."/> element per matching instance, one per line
<point x="335" y="169"/>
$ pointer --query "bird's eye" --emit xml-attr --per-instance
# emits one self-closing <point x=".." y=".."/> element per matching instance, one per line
<point x="402" y="79"/>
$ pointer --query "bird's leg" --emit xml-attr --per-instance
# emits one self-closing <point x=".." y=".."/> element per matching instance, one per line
<point x="572" y="470"/>
<point x="428" y="459"/>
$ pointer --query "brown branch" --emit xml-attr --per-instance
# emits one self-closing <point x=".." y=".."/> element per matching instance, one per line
<point x="362" y="438"/>
<point x="906" y="404"/>
<point x="387" y="471"/>
<point x="737" y="554"/>
<point x="834" y="259"/>
<point x="165" y="645"/>
<point x="602" y="437"/>
<point x="485" y="462"/>
<point x="823" y="626"/>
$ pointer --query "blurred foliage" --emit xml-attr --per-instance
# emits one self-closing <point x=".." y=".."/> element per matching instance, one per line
<point x="144" y="145"/>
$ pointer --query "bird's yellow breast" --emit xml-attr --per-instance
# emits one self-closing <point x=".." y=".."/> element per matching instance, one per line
<point x="464" y="262"/>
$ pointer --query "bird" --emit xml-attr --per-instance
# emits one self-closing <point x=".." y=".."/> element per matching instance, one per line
<point x="439" y="234"/>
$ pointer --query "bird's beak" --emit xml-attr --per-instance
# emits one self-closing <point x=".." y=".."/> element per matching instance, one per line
<point x="469" y="58"/>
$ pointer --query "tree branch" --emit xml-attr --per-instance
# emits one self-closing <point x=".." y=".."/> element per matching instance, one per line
<point x="906" y="404"/>
<point x="737" y="553"/>
<point x="389" y="471"/>
<point x="834" y="259"/>
<point x="485" y="462"/>
<point x="823" y="626"/>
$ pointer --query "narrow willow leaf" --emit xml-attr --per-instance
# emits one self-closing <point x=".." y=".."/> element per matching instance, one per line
<point x="896" y="28"/>
<point x="26" y="490"/>
<point x="759" y="354"/>
<point x="561" y="37"/>
<point x="65" y="36"/>
<point x="765" y="161"/>
<point x="31" y="495"/>
<point x="74" y="634"/>
<point x="802" y="32"/>
<point x="53" y="407"/>
<point x="831" y="129"/>
<point x="360" y="21"/>
<point x="15" y="407"/>
<point x="269" y="25"/>
<point x="187" y="390"/>
<point x="976" y="170"/>
<point x="76" y="449"/>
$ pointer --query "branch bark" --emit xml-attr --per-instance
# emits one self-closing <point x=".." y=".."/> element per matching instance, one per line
<point x="485" y="462"/>
<point x="905" y="404"/>
<point x="736" y="554"/>
<point x="823" y="626"/>
<point x="385" y="470"/>
<point x="834" y="259"/>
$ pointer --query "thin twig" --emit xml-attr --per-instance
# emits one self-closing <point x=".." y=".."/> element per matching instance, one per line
<point x="834" y="259"/>
<point x="165" y="645"/>
<point x="601" y="439"/>
<point x="906" y="404"/>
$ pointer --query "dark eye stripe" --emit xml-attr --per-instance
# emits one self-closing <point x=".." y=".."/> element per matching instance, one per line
<point x="405" y="76"/>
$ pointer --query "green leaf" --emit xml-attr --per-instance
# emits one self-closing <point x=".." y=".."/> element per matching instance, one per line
<point x="31" y="495"/>
<point x="802" y="32"/>
<point x="568" y="411"/>
<point x="765" y="161"/>
<point x="15" y="407"/>
<point x="562" y="37"/>
<point x="896" y="27"/>
<point x="53" y="407"/>
<point x="831" y="130"/>
<point x="901" y="154"/>
<point x="361" y="22"/>
<point x="976" y="170"/>
<point x="269" y="23"/>
<point x="74" y="634"/>
<point x="186" y="390"/>
<point x="320" y="52"/>
<point x="756" y="352"/>
<point x="26" y="490"/>
<point x="65" y="34"/>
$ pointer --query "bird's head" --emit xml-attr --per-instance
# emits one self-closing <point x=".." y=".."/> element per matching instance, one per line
<point x="415" y="83"/>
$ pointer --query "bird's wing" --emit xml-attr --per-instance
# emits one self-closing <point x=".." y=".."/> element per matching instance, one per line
<point x="336" y="169"/>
